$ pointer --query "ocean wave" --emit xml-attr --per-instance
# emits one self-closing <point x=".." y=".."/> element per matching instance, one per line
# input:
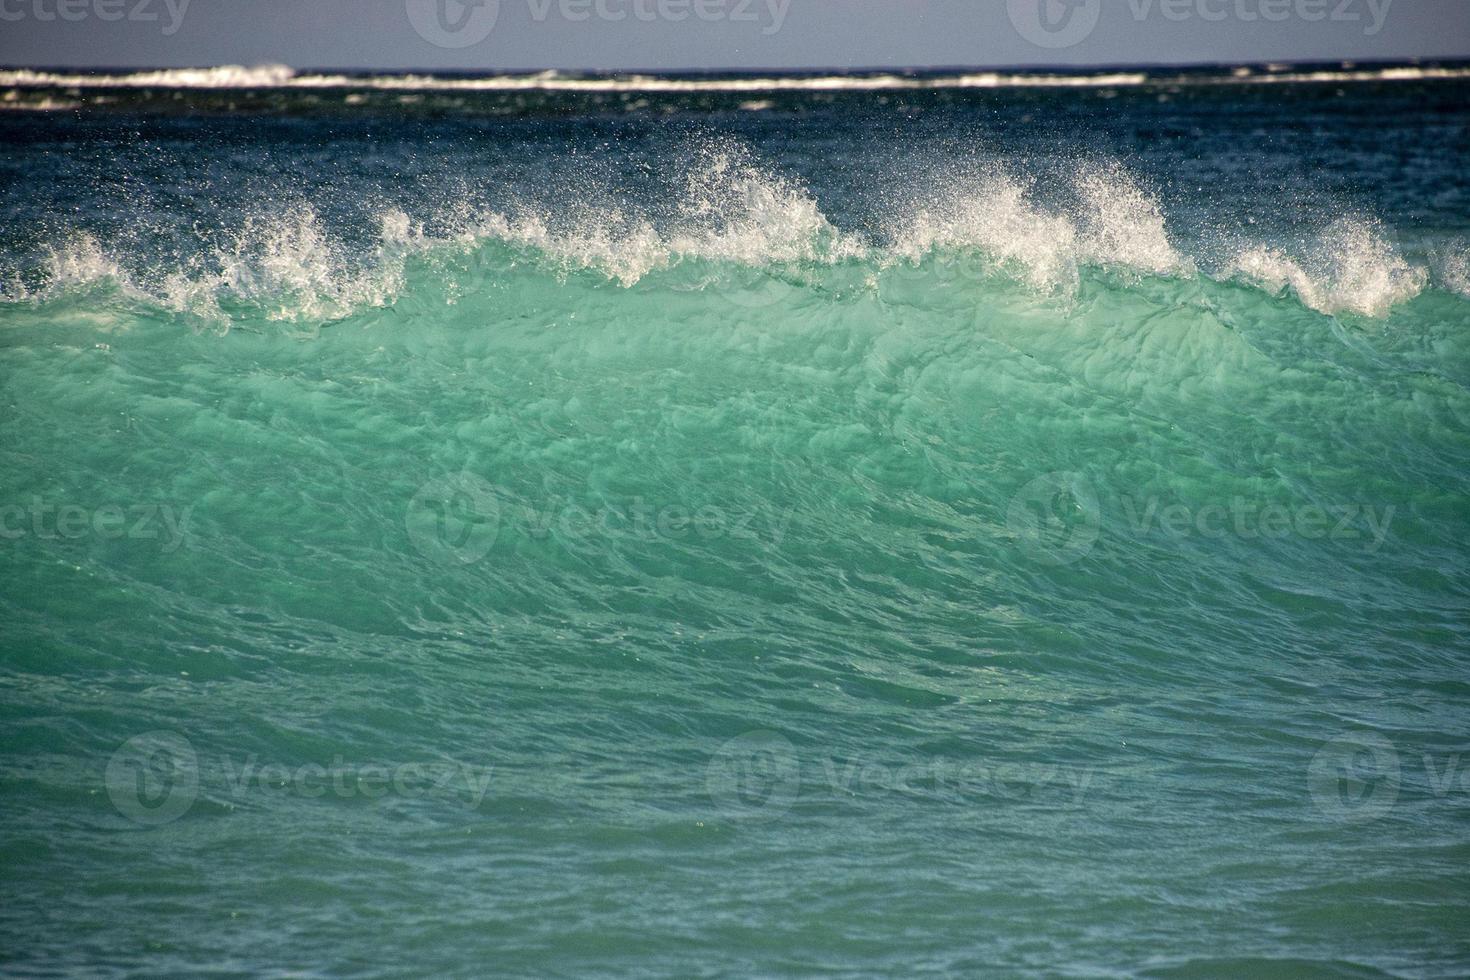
<point x="730" y="212"/>
<point x="285" y="266"/>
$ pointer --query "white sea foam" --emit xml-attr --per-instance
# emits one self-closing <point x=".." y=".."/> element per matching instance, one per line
<point x="1123" y="225"/>
<point x="286" y="266"/>
<point x="282" y="77"/>
<point x="224" y="76"/>
<point x="729" y="210"/>
<point x="996" y="216"/>
<point x="1454" y="269"/>
<point x="80" y="261"/>
<point x="23" y="100"/>
<point x="1352" y="267"/>
<point x="1114" y="223"/>
<point x="726" y="209"/>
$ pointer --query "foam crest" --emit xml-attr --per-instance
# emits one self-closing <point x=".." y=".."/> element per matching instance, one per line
<point x="77" y="262"/>
<point x="1123" y="225"/>
<point x="711" y="207"/>
<point x="284" y="268"/>
<point x="81" y="262"/>
<point x="1113" y="223"/>
<point x="292" y="270"/>
<point x="608" y="242"/>
<point x="221" y="76"/>
<point x="1454" y="270"/>
<point x="727" y="210"/>
<point x="998" y="217"/>
<point x="1351" y="268"/>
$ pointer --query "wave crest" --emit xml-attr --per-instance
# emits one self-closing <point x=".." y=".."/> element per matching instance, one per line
<point x="728" y="210"/>
<point x="1114" y="223"/>
<point x="1351" y="268"/>
<point x="724" y="209"/>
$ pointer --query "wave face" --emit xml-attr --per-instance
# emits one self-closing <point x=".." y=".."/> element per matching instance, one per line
<point x="602" y="538"/>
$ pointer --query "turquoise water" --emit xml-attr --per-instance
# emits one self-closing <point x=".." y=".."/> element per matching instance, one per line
<point x="1012" y="531"/>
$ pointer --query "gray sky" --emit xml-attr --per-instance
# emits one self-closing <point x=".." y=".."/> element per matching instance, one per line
<point x="669" y="34"/>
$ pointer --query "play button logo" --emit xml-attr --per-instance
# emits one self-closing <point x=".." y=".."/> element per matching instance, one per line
<point x="1054" y="23"/>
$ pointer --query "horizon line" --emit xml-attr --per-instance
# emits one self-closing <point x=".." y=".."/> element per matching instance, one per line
<point x="1101" y="67"/>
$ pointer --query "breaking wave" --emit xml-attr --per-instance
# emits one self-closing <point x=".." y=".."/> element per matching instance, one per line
<point x="1351" y="268"/>
<point x="728" y="212"/>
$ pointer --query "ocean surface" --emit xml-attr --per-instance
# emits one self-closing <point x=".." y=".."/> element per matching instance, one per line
<point x="862" y="525"/>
